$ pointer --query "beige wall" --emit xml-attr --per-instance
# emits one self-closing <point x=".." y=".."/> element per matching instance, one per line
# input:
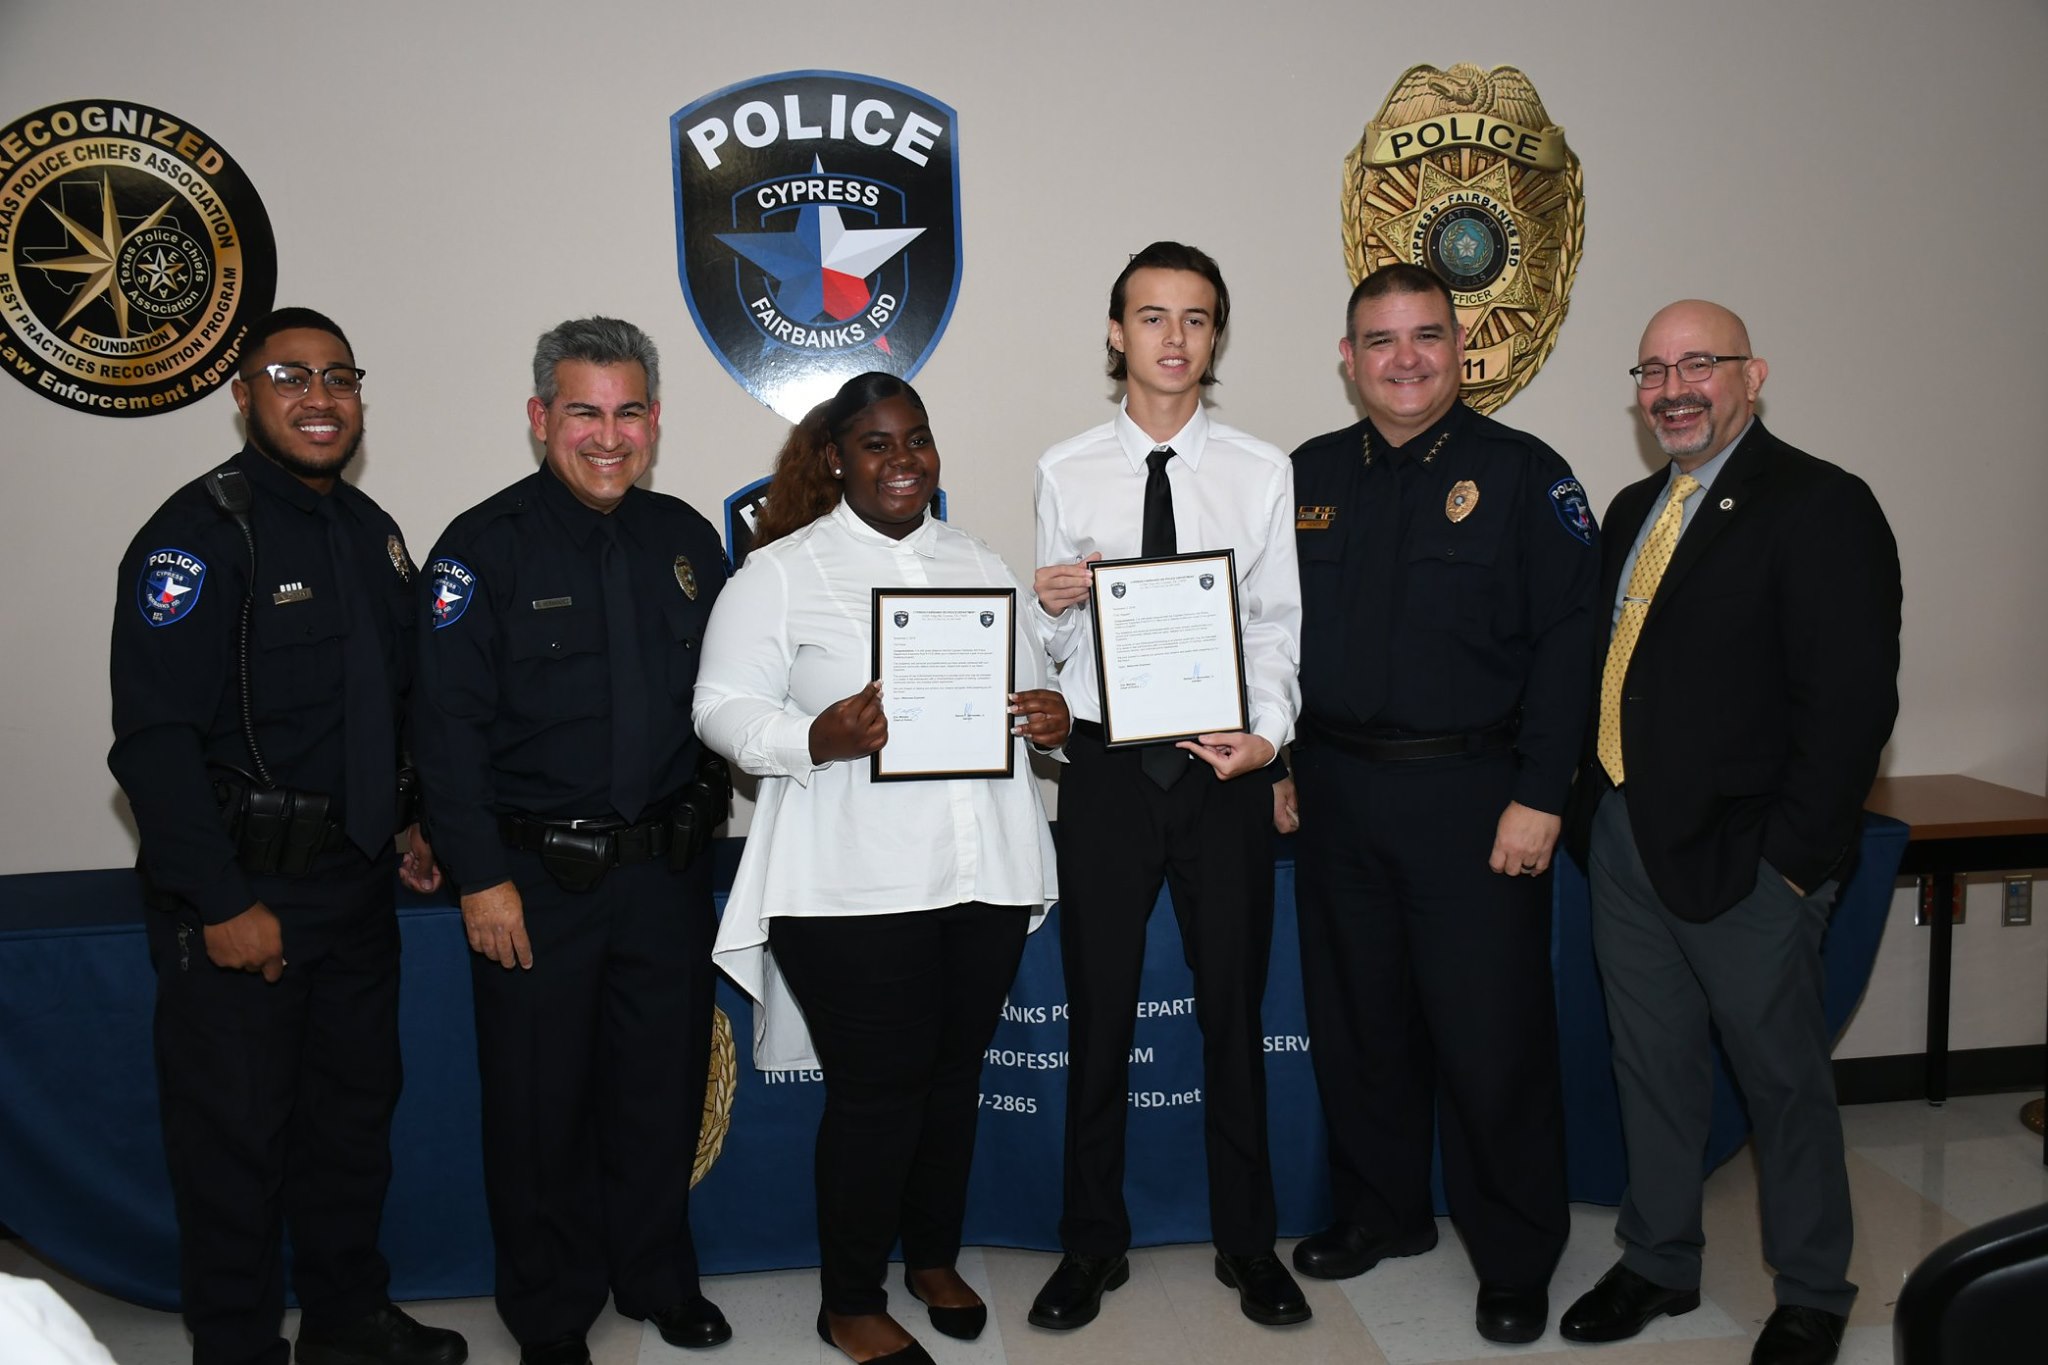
<point x="1863" y="181"/>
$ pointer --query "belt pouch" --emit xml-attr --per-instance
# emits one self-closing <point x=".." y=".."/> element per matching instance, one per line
<point x="576" y="859"/>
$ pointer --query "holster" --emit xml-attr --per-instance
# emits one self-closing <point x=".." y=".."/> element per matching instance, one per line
<point x="277" y="831"/>
<point x="701" y="811"/>
<point x="577" y="859"/>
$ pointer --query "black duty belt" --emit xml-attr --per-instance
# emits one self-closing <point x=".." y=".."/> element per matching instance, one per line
<point x="625" y="844"/>
<point x="1387" y="748"/>
<point x="578" y="853"/>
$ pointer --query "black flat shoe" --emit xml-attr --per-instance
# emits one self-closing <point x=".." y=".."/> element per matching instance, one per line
<point x="1797" y="1335"/>
<point x="1073" y="1296"/>
<point x="1265" y="1291"/>
<point x="913" y="1354"/>
<point x="1345" y="1249"/>
<point x="1621" y="1305"/>
<point x="962" y="1324"/>
<point x="1511" y="1316"/>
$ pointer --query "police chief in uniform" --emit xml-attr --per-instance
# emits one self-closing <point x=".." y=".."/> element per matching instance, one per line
<point x="261" y="652"/>
<point x="572" y="807"/>
<point x="1447" y="575"/>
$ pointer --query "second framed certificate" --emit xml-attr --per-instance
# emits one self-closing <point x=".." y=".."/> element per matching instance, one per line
<point x="1168" y="647"/>
<point x="947" y="660"/>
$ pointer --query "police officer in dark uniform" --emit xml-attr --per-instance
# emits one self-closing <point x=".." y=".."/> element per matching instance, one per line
<point x="1447" y="575"/>
<point x="261" y="653"/>
<point x="572" y="805"/>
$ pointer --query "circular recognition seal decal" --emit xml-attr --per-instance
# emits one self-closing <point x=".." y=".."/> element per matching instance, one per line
<point x="1462" y="172"/>
<point x="133" y="255"/>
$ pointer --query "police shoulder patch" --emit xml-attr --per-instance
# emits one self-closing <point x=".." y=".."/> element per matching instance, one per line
<point x="1568" y="499"/>
<point x="170" y="585"/>
<point x="453" y="586"/>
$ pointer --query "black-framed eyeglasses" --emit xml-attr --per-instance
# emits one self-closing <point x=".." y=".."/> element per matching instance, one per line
<point x="292" y="381"/>
<point x="1691" y="368"/>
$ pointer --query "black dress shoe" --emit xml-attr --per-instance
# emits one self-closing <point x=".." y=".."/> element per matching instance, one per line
<point x="567" y="1351"/>
<point x="692" y="1325"/>
<point x="1512" y="1315"/>
<point x="1345" y="1249"/>
<point x="913" y="1354"/>
<point x="962" y="1324"/>
<point x="1073" y="1296"/>
<point x="1265" y="1291"/>
<point x="1621" y="1305"/>
<point x="1797" y="1335"/>
<point x="382" y="1336"/>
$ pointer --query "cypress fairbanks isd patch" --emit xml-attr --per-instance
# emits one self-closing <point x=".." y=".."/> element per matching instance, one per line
<point x="1462" y="172"/>
<point x="169" y="586"/>
<point x="817" y="230"/>
<point x="133" y="255"/>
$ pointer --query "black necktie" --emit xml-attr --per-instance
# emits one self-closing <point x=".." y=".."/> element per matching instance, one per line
<point x="369" y="741"/>
<point x="1163" y="763"/>
<point x="1159" y="535"/>
<point x="630" y="776"/>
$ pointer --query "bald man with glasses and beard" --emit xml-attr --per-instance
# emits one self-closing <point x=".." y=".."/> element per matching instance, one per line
<point x="1749" y="683"/>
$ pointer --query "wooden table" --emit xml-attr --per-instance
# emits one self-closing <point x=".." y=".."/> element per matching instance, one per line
<point x="1959" y="825"/>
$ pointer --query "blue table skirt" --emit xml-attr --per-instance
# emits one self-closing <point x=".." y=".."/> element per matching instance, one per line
<point x="82" y="1171"/>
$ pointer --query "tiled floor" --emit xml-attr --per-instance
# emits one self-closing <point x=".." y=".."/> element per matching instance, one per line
<point x="1918" y="1175"/>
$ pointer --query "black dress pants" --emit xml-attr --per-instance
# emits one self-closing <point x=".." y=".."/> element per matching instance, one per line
<point x="593" y="1065"/>
<point x="1211" y="842"/>
<point x="1426" y="978"/>
<point x="277" y="1102"/>
<point x="900" y="1008"/>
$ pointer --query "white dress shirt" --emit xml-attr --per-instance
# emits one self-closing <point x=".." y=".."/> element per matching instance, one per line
<point x="792" y="634"/>
<point x="1230" y="492"/>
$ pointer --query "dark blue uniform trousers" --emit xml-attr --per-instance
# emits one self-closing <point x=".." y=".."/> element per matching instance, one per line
<point x="593" y="1065"/>
<point x="277" y="1102"/>
<point x="1426" y="978"/>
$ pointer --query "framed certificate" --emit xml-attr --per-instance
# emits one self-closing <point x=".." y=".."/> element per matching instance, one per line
<point x="1168" y="647"/>
<point x="947" y="660"/>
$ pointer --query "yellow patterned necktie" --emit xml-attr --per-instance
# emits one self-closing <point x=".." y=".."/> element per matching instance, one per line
<point x="1635" y="605"/>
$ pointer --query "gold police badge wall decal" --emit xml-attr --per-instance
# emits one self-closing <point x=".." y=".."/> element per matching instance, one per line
<point x="134" y="254"/>
<point x="1463" y="173"/>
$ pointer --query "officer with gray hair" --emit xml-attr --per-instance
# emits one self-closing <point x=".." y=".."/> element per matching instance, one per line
<point x="572" y="806"/>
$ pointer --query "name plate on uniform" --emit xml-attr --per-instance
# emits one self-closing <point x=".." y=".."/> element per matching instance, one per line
<point x="947" y="661"/>
<point x="1168" y="647"/>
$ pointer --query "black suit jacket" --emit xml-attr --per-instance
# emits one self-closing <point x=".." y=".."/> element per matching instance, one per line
<point x="1764" y="683"/>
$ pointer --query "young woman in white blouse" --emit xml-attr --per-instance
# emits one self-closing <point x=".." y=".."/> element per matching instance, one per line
<point x="878" y="925"/>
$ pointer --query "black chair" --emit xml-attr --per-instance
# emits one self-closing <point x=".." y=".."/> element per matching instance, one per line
<point x="1978" y="1299"/>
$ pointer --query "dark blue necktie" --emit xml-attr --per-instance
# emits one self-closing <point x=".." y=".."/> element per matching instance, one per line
<point x="369" y="738"/>
<point x="631" y="773"/>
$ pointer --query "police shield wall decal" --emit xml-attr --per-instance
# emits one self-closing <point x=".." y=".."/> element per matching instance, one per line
<point x="1463" y="173"/>
<point x="817" y="229"/>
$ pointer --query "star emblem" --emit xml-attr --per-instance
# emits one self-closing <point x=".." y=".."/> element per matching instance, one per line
<point x="173" y="590"/>
<point x="162" y="271"/>
<point x="821" y="267"/>
<point x="445" y="597"/>
<point x="102" y="251"/>
<point x="1498" y="183"/>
